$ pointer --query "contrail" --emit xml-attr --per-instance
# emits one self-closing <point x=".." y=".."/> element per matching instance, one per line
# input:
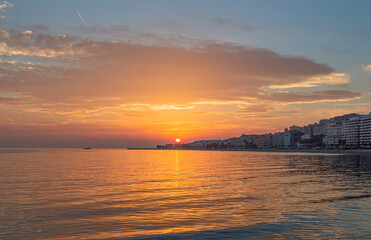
<point x="80" y="16"/>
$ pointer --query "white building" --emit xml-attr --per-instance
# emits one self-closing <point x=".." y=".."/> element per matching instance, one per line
<point x="334" y="134"/>
<point x="288" y="140"/>
<point x="340" y="119"/>
<point x="365" y="131"/>
<point x="324" y="123"/>
<point x="351" y="132"/>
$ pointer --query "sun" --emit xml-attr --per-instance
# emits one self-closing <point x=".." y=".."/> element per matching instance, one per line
<point x="177" y="140"/>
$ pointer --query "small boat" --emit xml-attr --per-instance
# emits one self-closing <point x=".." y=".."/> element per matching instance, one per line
<point x="86" y="148"/>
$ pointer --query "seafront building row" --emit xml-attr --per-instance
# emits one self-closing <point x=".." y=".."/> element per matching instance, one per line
<point x="350" y="131"/>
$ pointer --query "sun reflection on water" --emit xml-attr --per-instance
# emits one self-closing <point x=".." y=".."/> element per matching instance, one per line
<point x="120" y="193"/>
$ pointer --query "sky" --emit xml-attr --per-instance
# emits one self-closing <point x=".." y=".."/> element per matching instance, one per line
<point x="138" y="73"/>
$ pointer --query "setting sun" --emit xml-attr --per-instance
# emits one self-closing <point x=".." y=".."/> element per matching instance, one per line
<point x="177" y="140"/>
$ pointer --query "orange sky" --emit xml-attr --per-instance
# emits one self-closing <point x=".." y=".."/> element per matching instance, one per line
<point x="68" y="90"/>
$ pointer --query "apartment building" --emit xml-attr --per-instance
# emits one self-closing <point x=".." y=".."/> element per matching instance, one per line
<point x="334" y="134"/>
<point x="351" y="132"/>
<point x="365" y="131"/>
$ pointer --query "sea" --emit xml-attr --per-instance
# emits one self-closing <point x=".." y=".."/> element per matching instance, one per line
<point x="183" y="194"/>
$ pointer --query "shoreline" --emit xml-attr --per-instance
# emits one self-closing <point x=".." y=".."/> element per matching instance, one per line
<point x="335" y="151"/>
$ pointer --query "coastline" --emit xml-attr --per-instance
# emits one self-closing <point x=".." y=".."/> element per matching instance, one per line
<point x="334" y="151"/>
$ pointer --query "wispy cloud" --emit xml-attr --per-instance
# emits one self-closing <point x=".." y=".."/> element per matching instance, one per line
<point x="367" y="67"/>
<point x="4" y="5"/>
<point x="328" y="79"/>
<point x="256" y="108"/>
<point x="26" y="43"/>
<point x="312" y="97"/>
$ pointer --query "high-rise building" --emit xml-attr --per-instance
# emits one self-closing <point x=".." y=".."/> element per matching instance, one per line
<point x="316" y="129"/>
<point x="288" y="139"/>
<point x="324" y="123"/>
<point x="339" y="119"/>
<point x="334" y="134"/>
<point x="365" y="131"/>
<point x="351" y="132"/>
<point x="277" y="140"/>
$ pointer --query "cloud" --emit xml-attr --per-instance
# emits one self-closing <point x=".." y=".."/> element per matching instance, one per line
<point x="140" y="85"/>
<point x="3" y="34"/>
<point x="38" y="28"/>
<point x="171" y="107"/>
<point x="366" y="68"/>
<point x="15" y="100"/>
<point x="3" y="6"/>
<point x="26" y="43"/>
<point x="259" y="108"/>
<point x="261" y="116"/>
<point x="8" y="62"/>
<point x="168" y="75"/>
<point x="123" y="33"/>
<point x="329" y="79"/>
<point x="318" y="96"/>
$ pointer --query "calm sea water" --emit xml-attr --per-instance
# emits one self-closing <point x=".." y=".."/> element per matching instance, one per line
<point x="153" y="194"/>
